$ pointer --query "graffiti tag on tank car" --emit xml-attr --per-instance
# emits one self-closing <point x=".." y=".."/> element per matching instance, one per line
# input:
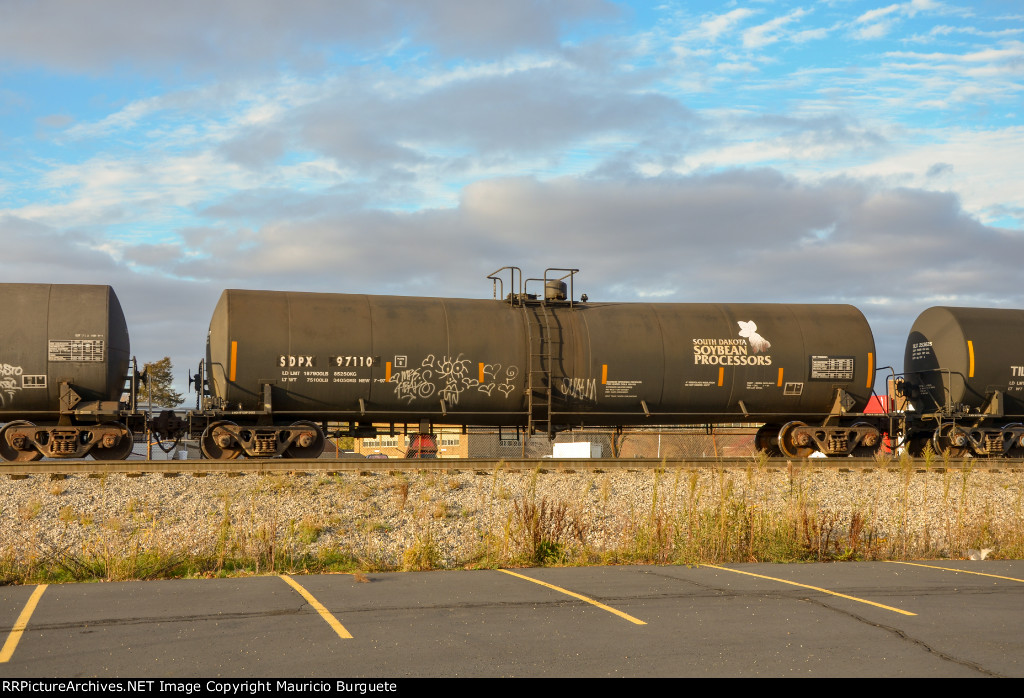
<point x="413" y="383"/>
<point x="579" y="389"/>
<point x="10" y="380"/>
<point x="449" y="377"/>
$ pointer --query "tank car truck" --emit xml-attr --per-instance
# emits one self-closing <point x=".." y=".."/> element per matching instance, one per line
<point x="281" y="365"/>
<point x="964" y="382"/>
<point x="64" y="359"/>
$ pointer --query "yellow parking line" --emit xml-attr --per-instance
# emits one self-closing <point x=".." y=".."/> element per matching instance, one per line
<point x="808" y="586"/>
<point x="19" y="625"/>
<point x="320" y="608"/>
<point x="952" y="569"/>
<point x="581" y="597"/>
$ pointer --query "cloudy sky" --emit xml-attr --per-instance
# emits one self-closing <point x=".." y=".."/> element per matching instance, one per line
<point x="835" y="151"/>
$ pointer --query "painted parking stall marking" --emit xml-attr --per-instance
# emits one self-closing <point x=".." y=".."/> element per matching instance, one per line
<point x="581" y="597"/>
<point x="19" y="625"/>
<point x="320" y="608"/>
<point x="808" y="586"/>
<point x="953" y="569"/>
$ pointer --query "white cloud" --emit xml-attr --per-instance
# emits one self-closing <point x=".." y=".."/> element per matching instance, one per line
<point x="772" y="31"/>
<point x="715" y="26"/>
<point x="983" y="168"/>
<point x="877" y="14"/>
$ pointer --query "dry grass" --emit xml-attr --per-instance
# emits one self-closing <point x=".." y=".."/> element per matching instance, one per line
<point x="685" y="517"/>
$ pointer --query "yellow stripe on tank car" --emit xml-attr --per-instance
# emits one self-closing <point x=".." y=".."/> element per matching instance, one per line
<point x="387" y="372"/>
<point x="604" y="374"/>
<point x="970" y="352"/>
<point x="481" y="374"/>
<point x="721" y="375"/>
<point x="871" y="370"/>
<point x="234" y="360"/>
<point x="779" y="383"/>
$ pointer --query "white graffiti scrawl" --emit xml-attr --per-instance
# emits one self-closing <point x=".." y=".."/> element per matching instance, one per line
<point x="9" y="383"/>
<point x="414" y="383"/>
<point x="454" y="372"/>
<point x="509" y="385"/>
<point x="579" y="388"/>
<point x="450" y="377"/>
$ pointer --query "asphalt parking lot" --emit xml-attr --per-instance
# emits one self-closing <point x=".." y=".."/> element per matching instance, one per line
<point x="946" y="618"/>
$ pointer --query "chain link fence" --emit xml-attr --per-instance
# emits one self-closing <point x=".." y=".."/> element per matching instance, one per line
<point x="668" y="442"/>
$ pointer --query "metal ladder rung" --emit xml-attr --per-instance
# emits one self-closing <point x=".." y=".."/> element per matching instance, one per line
<point x="539" y="390"/>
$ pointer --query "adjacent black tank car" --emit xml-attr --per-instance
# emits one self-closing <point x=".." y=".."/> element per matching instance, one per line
<point x="63" y="362"/>
<point x="964" y="382"/>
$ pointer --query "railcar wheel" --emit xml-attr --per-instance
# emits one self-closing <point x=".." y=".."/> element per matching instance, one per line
<point x="795" y="445"/>
<point x="119" y="451"/>
<point x="767" y="440"/>
<point x="10" y="449"/>
<point x="950" y="437"/>
<point x="218" y="443"/>
<point x="1012" y="438"/>
<point x="308" y="444"/>
<point x="867" y="450"/>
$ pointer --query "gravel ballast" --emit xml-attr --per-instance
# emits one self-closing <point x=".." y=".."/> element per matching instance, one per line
<point x="378" y="518"/>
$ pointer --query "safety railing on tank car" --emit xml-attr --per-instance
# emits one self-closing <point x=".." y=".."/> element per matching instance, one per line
<point x="521" y="296"/>
<point x="497" y="283"/>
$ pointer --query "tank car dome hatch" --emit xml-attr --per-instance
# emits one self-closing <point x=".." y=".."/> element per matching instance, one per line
<point x="555" y="290"/>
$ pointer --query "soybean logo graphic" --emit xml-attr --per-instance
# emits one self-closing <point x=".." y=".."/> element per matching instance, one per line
<point x="750" y="350"/>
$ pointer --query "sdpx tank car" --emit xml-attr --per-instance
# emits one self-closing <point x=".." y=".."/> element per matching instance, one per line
<point x="63" y="361"/>
<point x="280" y="363"/>
<point x="964" y="382"/>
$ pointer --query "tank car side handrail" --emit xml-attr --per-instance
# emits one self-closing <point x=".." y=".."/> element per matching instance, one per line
<point x="496" y="280"/>
<point x="947" y="406"/>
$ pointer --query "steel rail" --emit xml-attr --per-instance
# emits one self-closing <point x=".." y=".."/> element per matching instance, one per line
<point x="324" y="465"/>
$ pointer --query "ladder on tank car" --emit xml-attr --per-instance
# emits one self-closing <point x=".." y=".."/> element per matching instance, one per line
<point x="540" y="338"/>
<point x="538" y="385"/>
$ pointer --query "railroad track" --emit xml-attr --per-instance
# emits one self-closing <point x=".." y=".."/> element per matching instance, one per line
<point x="484" y="465"/>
